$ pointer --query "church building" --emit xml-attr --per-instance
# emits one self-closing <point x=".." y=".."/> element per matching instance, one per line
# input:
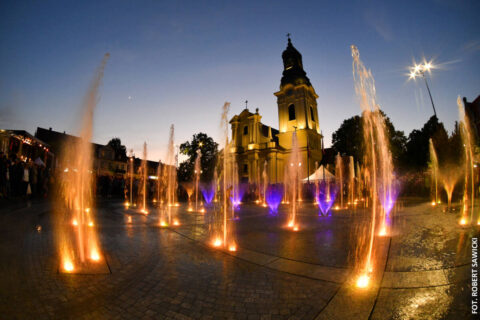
<point x="257" y="146"/>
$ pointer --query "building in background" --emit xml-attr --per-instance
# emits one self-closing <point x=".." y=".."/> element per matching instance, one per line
<point x="21" y="144"/>
<point x="255" y="144"/>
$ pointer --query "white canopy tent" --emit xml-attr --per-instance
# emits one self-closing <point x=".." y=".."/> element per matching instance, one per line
<point x="318" y="175"/>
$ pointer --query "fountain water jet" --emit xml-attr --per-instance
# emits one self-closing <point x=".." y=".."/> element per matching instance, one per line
<point x="292" y="180"/>
<point x="80" y="248"/>
<point x="197" y="172"/>
<point x="229" y="186"/>
<point x="449" y="176"/>
<point x="469" y="190"/>
<point x="170" y="180"/>
<point x="144" y="180"/>
<point x="339" y="176"/>
<point x="273" y="197"/>
<point x="265" y="183"/>
<point x="378" y="155"/>
<point x="434" y="164"/>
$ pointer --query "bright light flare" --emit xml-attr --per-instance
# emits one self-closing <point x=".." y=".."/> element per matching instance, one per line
<point x="383" y="232"/>
<point x="144" y="211"/>
<point x="90" y="224"/>
<point x="74" y="222"/>
<point x="217" y="242"/>
<point x="362" y="281"/>
<point x="129" y="219"/>
<point x="163" y="224"/>
<point x="295" y="228"/>
<point x="94" y="255"/>
<point x="232" y="247"/>
<point x="463" y="222"/>
<point x="202" y="210"/>
<point x="68" y="266"/>
<point x="176" y="223"/>
<point x="190" y="209"/>
<point x="434" y="203"/>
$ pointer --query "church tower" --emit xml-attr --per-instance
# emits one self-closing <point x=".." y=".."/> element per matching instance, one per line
<point x="297" y="111"/>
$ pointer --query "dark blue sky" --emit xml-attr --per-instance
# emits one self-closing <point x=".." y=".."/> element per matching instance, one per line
<point x="179" y="61"/>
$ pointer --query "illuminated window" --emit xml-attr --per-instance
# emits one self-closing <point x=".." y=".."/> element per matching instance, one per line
<point x="245" y="130"/>
<point x="291" y="112"/>
<point x="311" y="113"/>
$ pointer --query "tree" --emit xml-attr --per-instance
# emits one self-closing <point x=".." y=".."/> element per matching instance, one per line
<point x="209" y="150"/>
<point x="348" y="139"/>
<point x="417" y="152"/>
<point x="119" y="149"/>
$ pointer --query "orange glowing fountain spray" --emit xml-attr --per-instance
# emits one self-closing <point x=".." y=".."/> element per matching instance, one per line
<point x="339" y="176"/>
<point x="144" y="178"/>
<point x="170" y="180"/>
<point x="469" y="190"/>
<point x="434" y="164"/>
<point x="130" y="170"/>
<point x="292" y="179"/>
<point x="378" y="156"/>
<point x="81" y="246"/>
<point x="197" y="172"/>
<point x="229" y="178"/>
<point x="265" y="183"/>
<point x="449" y="176"/>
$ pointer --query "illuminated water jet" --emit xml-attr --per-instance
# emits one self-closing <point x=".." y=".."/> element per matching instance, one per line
<point x="273" y="197"/>
<point x="75" y="199"/>
<point x="197" y="171"/>
<point x="378" y="157"/>
<point x="467" y="139"/>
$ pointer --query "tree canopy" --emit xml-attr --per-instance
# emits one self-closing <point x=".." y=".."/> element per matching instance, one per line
<point x="119" y="149"/>
<point x="348" y="139"/>
<point x="417" y="147"/>
<point x="209" y="150"/>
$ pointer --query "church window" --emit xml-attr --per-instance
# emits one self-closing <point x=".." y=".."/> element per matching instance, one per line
<point x="245" y="168"/>
<point x="291" y="112"/>
<point x="245" y="130"/>
<point x="312" y="114"/>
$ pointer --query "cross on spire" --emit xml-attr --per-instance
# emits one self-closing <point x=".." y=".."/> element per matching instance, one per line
<point x="288" y="36"/>
<point x="246" y="104"/>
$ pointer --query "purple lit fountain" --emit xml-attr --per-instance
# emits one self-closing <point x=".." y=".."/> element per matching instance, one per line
<point x="325" y="197"/>
<point x="208" y="192"/>
<point x="273" y="197"/>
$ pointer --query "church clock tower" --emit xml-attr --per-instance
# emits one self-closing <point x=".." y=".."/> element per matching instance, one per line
<point x="297" y="111"/>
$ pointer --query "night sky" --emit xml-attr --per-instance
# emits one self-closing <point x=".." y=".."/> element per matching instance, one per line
<point x="178" y="62"/>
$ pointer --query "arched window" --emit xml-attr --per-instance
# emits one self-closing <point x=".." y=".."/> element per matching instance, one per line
<point x="291" y="112"/>
<point x="312" y="114"/>
<point x="245" y="130"/>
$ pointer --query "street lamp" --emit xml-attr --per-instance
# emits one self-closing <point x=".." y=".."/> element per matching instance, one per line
<point x="419" y="70"/>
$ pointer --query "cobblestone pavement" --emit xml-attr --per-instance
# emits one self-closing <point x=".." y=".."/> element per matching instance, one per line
<point x="277" y="274"/>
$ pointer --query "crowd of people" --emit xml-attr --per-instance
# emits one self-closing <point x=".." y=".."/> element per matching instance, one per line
<point x="22" y="179"/>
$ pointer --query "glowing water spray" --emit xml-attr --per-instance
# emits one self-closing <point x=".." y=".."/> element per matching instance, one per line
<point x="469" y="190"/>
<point x="197" y="172"/>
<point x="80" y="246"/>
<point x="144" y="180"/>
<point x="434" y="164"/>
<point x="378" y="155"/>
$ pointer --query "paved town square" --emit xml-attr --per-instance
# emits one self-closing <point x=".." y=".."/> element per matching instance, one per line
<point x="174" y="273"/>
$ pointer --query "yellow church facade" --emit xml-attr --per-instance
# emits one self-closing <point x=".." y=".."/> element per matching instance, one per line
<point x="258" y="147"/>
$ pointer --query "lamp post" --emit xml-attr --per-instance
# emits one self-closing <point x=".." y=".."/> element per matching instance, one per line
<point x="419" y="70"/>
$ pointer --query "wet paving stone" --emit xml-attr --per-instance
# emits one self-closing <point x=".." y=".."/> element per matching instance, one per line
<point x="163" y="273"/>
